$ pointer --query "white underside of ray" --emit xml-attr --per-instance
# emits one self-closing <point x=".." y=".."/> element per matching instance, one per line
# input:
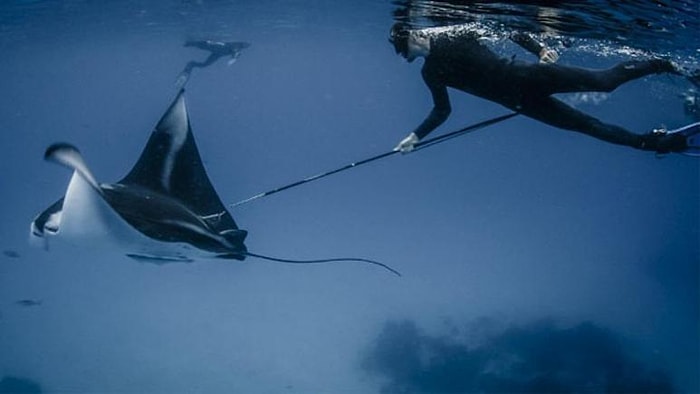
<point x="88" y="222"/>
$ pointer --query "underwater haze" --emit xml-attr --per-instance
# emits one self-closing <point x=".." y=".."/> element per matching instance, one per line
<point x="533" y="259"/>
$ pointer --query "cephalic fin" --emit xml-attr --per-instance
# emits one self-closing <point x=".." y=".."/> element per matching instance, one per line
<point x="69" y="156"/>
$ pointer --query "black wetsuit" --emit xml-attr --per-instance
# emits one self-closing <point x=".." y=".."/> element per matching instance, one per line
<point x="463" y="62"/>
<point x="217" y="51"/>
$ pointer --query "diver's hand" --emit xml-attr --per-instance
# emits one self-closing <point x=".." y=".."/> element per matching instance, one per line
<point x="407" y="144"/>
<point x="548" y="55"/>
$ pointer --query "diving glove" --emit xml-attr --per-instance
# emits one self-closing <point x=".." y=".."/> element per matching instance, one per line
<point x="407" y="144"/>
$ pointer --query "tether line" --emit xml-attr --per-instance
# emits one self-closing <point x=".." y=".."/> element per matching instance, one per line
<point x="421" y="145"/>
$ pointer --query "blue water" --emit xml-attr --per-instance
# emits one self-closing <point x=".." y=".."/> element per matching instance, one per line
<point x="533" y="259"/>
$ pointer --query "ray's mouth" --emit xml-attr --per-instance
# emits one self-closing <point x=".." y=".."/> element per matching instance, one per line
<point x="47" y="231"/>
<point x="42" y="232"/>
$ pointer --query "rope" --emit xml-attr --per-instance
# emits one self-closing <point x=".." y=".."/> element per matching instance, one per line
<point x="421" y="145"/>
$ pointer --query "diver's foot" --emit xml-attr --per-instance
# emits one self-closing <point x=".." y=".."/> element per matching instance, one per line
<point x="661" y="141"/>
<point x="691" y="136"/>
<point x="685" y="140"/>
<point x="665" y="66"/>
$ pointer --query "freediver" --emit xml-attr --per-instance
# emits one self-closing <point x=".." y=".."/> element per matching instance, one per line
<point x="456" y="57"/>
<point x="217" y="50"/>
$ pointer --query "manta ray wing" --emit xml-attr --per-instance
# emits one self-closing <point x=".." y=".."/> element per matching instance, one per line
<point x="170" y="164"/>
<point x="164" y="210"/>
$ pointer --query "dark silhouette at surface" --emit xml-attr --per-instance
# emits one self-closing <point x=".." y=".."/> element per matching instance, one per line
<point x="217" y="50"/>
<point x="456" y="57"/>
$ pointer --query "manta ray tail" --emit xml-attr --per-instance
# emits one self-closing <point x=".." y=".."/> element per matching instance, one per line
<point x="321" y="261"/>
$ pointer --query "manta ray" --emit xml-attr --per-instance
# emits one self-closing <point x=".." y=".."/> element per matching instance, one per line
<point x="164" y="210"/>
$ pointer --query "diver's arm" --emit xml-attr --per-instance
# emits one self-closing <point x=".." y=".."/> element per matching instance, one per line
<point x="527" y="43"/>
<point x="437" y="116"/>
<point x="543" y="52"/>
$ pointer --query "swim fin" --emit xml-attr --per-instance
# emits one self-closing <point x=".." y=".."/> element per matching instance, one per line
<point x="691" y="133"/>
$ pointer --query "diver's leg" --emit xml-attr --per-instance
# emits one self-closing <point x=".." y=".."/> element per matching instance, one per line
<point x="184" y="76"/>
<point x="555" y="113"/>
<point x="547" y="79"/>
<point x="192" y="64"/>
